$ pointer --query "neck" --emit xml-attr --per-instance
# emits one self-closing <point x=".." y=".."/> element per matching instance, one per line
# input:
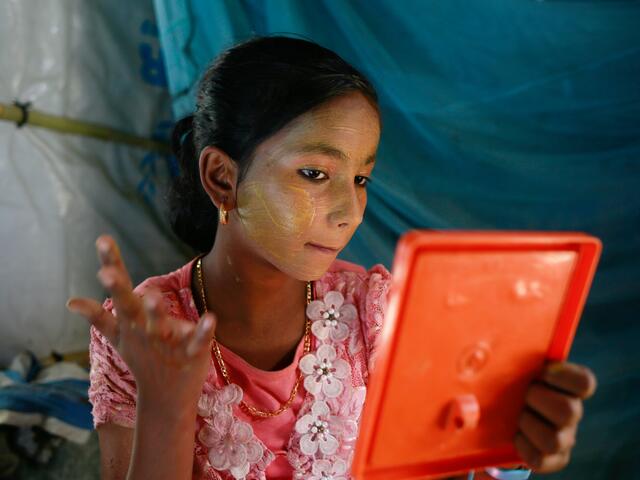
<point x="249" y="293"/>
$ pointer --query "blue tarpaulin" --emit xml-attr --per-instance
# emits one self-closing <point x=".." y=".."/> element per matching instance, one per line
<point x="496" y="115"/>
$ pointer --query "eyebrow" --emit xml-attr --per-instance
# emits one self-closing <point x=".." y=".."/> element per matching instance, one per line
<point x="326" y="149"/>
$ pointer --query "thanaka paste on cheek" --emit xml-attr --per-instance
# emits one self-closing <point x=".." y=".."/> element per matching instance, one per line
<point x="277" y="219"/>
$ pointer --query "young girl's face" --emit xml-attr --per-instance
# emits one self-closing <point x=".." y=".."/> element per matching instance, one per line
<point x="306" y="186"/>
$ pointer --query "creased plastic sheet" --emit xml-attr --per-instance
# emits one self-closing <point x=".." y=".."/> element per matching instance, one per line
<point x="98" y="62"/>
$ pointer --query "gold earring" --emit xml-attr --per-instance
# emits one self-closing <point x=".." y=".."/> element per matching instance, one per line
<point x="223" y="215"/>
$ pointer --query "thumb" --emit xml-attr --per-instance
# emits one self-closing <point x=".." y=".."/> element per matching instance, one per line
<point x="96" y="315"/>
<point x="204" y="333"/>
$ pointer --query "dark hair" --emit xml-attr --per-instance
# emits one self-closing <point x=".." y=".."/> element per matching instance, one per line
<point x="250" y="92"/>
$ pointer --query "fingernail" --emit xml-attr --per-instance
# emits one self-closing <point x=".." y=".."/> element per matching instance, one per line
<point x="150" y="302"/>
<point x="73" y="307"/>
<point x="203" y="328"/>
<point x="554" y="368"/>
<point x="103" y="246"/>
<point x="106" y="279"/>
<point x="206" y="323"/>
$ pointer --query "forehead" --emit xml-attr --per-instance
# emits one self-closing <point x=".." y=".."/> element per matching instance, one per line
<point x="346" y="128"/>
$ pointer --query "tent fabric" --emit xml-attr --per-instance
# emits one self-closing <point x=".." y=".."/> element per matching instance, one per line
<point x="496" y="115"/>
<point x="98" y="63"/>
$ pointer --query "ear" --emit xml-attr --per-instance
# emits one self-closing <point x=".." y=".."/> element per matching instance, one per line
<point x="219" y="176"/>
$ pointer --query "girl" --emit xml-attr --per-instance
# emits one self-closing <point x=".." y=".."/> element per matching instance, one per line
<point x="282" y="144"/>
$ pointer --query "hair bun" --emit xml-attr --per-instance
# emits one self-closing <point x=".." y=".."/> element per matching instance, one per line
<point x="181" y="130"/>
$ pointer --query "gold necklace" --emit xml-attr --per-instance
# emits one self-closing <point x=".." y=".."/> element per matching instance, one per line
<point x="223" y="368"/>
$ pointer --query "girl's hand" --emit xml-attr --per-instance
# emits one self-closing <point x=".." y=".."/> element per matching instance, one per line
<point x="548" y="424"/>
<point x="169" y="358"/>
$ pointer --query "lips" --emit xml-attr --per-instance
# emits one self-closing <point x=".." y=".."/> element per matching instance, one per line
<point x="323" y="247"/>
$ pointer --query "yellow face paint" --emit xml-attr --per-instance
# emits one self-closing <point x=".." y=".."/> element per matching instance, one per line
<point x="275" y="218"/>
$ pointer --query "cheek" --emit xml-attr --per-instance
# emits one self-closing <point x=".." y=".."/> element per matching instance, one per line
<point x="272" y="213"/>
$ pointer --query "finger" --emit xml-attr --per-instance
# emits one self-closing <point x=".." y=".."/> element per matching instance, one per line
<point x="156" y="324"/>
<point x="201" y="338"/>
<point x="97" y="316"/>
<point x="545" y="437"/>
<point x="536" y="460"/>
<point x="527" y="451"/>
<point x="560" y="409"/>
<point x="109" y="252"/>
<point x="123" y="298"/>
<point x="173" y="344"/>
<point x="554" y="463"/>
<point x="571" y="378"/>
<point x="128" y="305"/>
<point x="165" y="334"/>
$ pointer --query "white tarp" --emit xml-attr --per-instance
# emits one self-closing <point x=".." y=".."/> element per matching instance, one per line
<point x="92" y="61"/>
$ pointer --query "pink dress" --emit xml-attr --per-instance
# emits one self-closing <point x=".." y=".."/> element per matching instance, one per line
<point x="315" y="438"/>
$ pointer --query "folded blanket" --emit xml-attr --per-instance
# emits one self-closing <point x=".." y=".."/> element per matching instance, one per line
<point x="54" y="398"/>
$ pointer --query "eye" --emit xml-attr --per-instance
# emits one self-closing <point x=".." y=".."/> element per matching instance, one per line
<point x="362" y="181"/>
<point x="312" y="174"/>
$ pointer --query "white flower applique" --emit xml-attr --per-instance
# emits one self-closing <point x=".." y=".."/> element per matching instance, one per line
<point x="355" y="343"/>
<point x="324" y="372"/>
<point x="331" y="317"/>
<point x="230" y="442"/>
<point x="327" y="425"/>
<point x="316" y="429"/>
<point x="349" y="408"/>
<point x="327" y="470"/>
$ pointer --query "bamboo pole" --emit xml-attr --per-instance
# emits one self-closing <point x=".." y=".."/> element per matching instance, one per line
<point x="13" y="113"/>
<point x="80" y="357"/>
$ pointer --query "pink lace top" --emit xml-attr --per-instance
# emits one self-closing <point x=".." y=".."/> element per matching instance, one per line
<point x="315" y="438"/>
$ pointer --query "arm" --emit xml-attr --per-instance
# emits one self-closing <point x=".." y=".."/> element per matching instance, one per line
<point x="163" y="443"/>
<point x="169" y="360"/>
<point x="162" y="446"/>
<point x="116" y="443"/>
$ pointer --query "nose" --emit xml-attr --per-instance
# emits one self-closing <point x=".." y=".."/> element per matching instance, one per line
<point x="347" y="211"/>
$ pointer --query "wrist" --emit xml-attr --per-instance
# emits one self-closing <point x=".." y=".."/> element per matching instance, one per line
<point x="164" y="439"/>
<point x="166" y="409"/>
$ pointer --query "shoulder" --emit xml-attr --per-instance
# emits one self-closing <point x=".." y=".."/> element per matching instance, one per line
<point x="169" y="282"/>
<point x="357" y="284"/>
<point x="343" y="272"/>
